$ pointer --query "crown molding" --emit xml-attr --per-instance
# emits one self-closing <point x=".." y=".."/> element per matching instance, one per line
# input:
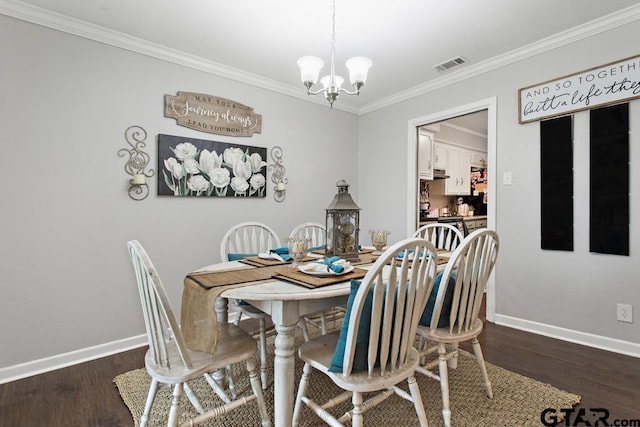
<point x="66" y="24"/>
<point x="464" y="129"/>
<point x="563" y="38"/>
<point x="56" y="21"/>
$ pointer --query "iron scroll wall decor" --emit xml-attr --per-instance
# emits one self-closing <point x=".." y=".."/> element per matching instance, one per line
<point x="277" y="174"/>
<point x="137" y="163"/>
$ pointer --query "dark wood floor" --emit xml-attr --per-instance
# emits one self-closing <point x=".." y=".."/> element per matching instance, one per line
<point x="84" y="395"/>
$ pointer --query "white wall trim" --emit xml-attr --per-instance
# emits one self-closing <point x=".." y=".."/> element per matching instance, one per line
<point x="563" y="38"/>
<point x="46" y="18"/>
<point x="464" y="129"/>
<point x="597" y="341"/>
<point x="66" y="24"/>
<point x="35" y="367"/>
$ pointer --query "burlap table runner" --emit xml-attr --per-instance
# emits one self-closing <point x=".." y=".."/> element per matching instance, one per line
<point x="199" y="323"/>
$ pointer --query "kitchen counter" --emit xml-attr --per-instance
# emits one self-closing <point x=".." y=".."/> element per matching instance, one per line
<point x="471" y="223"/>
<point x="426" y="221"/>
<point x="469" y="218"/>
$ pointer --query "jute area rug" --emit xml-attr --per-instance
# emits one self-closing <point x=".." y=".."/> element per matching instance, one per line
<point x="517" y="400"/>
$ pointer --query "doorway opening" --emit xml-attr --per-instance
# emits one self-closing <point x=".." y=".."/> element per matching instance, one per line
<point x="454" y="117"/>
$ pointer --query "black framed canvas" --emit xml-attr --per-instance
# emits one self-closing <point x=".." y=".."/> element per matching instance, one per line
<point x="202" y="168"/>
<point x="609" y="180"/>
<point x="556" y="183"/>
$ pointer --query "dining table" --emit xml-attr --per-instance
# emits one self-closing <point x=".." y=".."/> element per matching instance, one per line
<point x="276" y="290"/>
<point x="286" y="302"/>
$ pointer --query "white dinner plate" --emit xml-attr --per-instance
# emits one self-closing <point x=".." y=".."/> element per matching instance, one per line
<point x="348" y="269"/>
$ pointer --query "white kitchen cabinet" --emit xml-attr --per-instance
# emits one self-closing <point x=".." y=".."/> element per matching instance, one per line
<point x="478" y="159"/>
<point x="459" y="170"/>
<point x="439" y="156"/>
<point x="425" y="155"/>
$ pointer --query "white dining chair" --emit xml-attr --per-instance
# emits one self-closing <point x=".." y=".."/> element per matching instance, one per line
<point x="316" y="234"/>
<point x="242" y="240"/>
<point x="442" y="235"/>
<point x="314" y="231"/>
<point x="452" y="312"/>
<point x="246" y="239"/>
<point x="169" y="361"/>
<point x="374" y="352"/>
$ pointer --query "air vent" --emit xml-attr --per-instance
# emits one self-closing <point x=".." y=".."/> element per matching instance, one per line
<point x="447" y="65"/>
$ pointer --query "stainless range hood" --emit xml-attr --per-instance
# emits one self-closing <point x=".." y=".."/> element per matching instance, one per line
<point x="440" y="174"/>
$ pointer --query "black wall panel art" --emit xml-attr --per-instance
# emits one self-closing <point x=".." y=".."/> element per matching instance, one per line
<point x="201" y="168"/>
<point x="609" y="180"/>
<point x="556" y="183"/>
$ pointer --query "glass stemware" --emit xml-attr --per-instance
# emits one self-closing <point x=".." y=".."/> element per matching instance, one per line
<point x="298" y="248"/>
<point x="378" y="240"/>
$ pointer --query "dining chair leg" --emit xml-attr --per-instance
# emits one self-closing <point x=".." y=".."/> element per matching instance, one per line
<point x="444" y="384"/>
<point x="193" y="398"/>
<point x="356" y="400"/>
<point x="483" y="367"/>
<point x="153" y="389"/>
<point x="263" y="353"/>
<point x="302" y="388"/>
<point x="323" y="324"/>
<point x="453" y="361"/>
<point x="302" y="324"/>
<point x="257" y="391"/>
<point x="217" y="389"/>
<point x="417" y="401"/>
<point x="174" y="412"/>
<point x="232" y="383"/>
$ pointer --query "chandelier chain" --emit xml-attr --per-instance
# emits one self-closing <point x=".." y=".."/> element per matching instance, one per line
<point x="333" y="45"/>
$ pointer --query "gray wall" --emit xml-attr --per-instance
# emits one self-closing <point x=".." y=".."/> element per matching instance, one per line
<point x="66" y="279"/>
<point x="572" y="295"/>
<point x="67" y="285"/>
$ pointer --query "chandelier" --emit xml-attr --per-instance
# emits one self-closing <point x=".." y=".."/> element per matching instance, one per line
<point x="332" y="85"/>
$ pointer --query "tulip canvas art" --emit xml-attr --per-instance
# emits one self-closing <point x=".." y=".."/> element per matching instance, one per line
<point x="201" y="168"/>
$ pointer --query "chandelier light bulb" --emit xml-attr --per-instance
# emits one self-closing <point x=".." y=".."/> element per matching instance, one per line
<point x="310" y="68"/>
<point x="358" y="69"/>
<point x="326" y="83"/>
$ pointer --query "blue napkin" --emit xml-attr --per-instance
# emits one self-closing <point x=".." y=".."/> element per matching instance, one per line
<point x="283" y="252"/>
<point x="336" y="268"/>
<point x="329" y="262"/>
<point x="410" y="251"/>
<point x="401" y="253"/>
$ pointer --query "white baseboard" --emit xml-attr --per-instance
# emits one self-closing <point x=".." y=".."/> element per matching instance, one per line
<point x="23" y="370"/>
<point x="35" y="367"/>
<point x="604" y="343"/>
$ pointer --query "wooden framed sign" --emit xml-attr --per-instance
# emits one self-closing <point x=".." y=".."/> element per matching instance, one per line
<point x="607" y="84"/>
<point x="211" y="114"/>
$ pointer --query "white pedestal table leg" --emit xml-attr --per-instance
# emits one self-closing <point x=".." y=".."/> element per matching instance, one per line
<point x="285" y="318"/>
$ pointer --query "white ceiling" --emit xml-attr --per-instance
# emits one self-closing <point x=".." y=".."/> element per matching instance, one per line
<point x="259" y="41"/>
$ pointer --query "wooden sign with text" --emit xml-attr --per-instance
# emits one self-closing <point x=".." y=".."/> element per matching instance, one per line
<point x="211" y="114"/>
<point x="604" y="85"/>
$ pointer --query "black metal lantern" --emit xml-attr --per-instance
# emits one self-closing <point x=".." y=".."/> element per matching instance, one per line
<point x="343" y="225"/>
